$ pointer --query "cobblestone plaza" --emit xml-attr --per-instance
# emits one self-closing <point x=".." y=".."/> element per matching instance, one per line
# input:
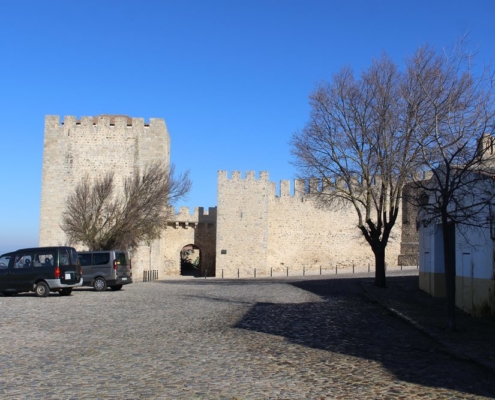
<point x="292" y="338"/>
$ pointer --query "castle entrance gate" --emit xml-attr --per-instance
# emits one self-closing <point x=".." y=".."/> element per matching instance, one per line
<point x="188" y="245"/>
<point x="190" y="260"/>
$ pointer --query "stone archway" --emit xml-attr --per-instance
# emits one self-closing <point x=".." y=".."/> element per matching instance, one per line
<point x="190" y="260"/>
<point x="177" y="238"/>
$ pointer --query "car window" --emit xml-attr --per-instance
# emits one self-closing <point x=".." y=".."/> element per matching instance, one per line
<point x="121" y="259"/>
<point x="85" y="259"/>
<point x="23" y="260"/>
<point x="44" y="259"/>
<point x="64" y="257"/>
<point x="101" y="258"/>
<point x="5" y="260"/>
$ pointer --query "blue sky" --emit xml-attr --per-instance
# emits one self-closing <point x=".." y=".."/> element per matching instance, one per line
<point x="230" y="78"/>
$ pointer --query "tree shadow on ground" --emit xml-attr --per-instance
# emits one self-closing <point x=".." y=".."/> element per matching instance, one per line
<point x="346" y="323"/>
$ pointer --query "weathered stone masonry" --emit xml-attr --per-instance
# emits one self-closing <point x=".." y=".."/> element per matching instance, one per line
<point x="252" y="227"/>
<point x="258" y="228"/>
<point x="94" y="146"/>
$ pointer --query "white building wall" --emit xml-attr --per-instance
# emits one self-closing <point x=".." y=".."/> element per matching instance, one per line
<point x="474" y="257"/>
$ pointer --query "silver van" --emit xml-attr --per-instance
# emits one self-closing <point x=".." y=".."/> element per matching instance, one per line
<point x="106" y="268"/>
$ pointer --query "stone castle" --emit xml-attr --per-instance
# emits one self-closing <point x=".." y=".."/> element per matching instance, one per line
<point x="254" y="230"/>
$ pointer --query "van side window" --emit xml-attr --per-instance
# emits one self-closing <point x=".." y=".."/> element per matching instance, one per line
<point x="85" y="259"/>
<point x="121" y="259"/>
<point x="101" y="258"/>
<point x="64" y="257"/>
<point x="4" y="261"/>
<point x="23" y="260"/>
<point x="44" y="259"/>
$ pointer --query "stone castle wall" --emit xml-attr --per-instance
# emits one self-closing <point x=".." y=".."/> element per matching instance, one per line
<point x="252" y="227"/>
<point x="242" y="221"/>
<point x="184" y="228"/>
<point x="259" y="228"/>
<point x="93" y="146"/>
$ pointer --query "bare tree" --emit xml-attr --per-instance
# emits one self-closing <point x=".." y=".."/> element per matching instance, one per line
<point x="367" y="137"/>
<point x="360" y="142"/>
<point x="455" y="149"/>
<point x="101" y="217"/>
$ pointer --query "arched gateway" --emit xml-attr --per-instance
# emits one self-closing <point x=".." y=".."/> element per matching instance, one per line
<point x="193" y="233"/>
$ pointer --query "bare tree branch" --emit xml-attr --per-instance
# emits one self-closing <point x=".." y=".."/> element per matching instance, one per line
<point x="360" y="143"/>
<point x="368" y="136"/>
<point x="454" y="149"/>
<point x="101" y="218"/>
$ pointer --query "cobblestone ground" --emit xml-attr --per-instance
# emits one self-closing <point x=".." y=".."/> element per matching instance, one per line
<point x="223" y="339"/>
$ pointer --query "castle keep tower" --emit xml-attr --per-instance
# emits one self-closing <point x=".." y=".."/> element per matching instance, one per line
<point x="93" y="146"/>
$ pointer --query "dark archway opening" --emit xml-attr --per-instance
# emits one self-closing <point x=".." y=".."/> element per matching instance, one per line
<point x="190" y="260"/>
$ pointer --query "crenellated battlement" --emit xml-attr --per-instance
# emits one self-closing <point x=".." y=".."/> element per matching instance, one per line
<point x="296" y="188"/>
<point x="198" y="215"/>
<point x="236" y="176"/>
<point x="104" y="120"/>
<point x="285" y="189"/>
<point x="315" y="186"/>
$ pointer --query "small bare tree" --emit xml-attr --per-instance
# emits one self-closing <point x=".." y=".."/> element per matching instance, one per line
<point x="101" y="217"/>
<point x="455" y="149"/>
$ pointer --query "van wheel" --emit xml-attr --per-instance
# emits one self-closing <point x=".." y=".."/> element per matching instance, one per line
<point x="116" y="287"/>
<point x="65" y="292"/>
<point x="100" y="284"/>
<point x="41" y="289"/>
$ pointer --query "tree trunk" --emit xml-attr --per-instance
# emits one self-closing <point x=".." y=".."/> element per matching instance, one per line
<point x="448" y="230"/>
<point x="379" y="251"/>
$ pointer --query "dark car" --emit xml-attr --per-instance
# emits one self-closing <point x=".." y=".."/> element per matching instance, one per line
<point x="40" y="270"/>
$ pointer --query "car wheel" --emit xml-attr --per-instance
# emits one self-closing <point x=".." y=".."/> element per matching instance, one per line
<point x="100" y="284"/>
<point x="116" y="287"/>
<point x="65" y="292"/>
<point x="41" y="289"/>
<point x="8" y="293"/>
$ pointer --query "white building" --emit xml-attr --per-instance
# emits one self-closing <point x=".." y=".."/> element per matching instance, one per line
<point x="472" y="248"/>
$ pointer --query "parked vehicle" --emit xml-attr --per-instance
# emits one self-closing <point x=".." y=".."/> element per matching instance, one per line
<point x="108" y="268"/>
<point x="40" y="270"/>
